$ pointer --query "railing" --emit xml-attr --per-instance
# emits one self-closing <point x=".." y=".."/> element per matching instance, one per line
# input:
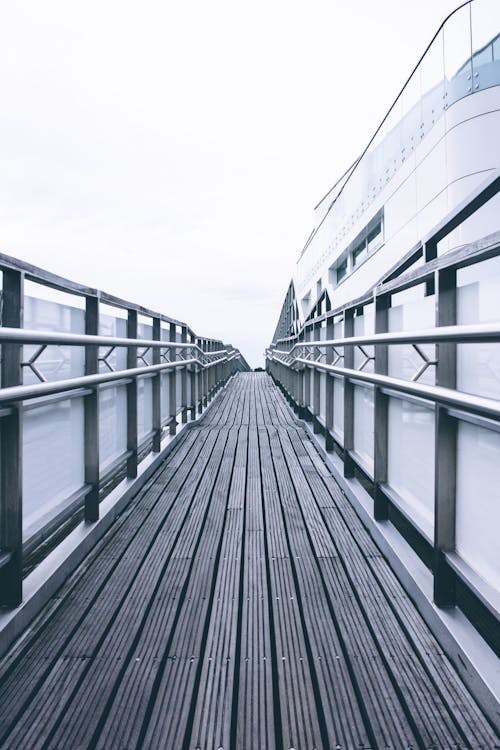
<point x="404" y="384"/>
<point x="79" y="411"/>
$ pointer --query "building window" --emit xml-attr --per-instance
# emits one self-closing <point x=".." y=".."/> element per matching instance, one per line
<point x="359" y="253"/>
<point x="374" y="239"/>
<point x="341" y="269"/>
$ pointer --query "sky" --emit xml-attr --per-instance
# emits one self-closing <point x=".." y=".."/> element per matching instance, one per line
<point x="171" y="153"/>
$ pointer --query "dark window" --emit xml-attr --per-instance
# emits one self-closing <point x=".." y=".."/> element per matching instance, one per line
<point x="341" y="269"/>
<point x="358" y="252"/>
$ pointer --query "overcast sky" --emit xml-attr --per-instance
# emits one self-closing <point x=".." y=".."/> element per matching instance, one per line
<point x="171" y="153"/>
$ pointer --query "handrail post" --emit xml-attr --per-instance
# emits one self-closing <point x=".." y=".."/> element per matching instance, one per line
<point x="209" y="373"/>
<point x="91" y="413"/>
<point x="330" y="384"/>
<point x="211" y="347"/>
<point x="156" y="396"/>
<point x="184" y="380"/>
<point x="348" y="397"/>
<point x="302" y="386"/>
<point x="172" y="386"/>
<point x="192" y="381"/>
<point x="132" y="398"/>
<point x="316" y="374"/>
<point x="381" y="413"/>
<point x="199" y="378"/>
<point x="445" y="446"/>
<point x="11" y="499"/>
<point x="307" y="383"/>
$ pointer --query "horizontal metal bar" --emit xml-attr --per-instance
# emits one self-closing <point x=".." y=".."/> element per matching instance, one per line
<point x="468" y="255"/>
<point x="22" y="392"/>
<point x="114" y="384"/>
<point x="470" y="334"/>
<point x="487" y="407"/>
<point x="56" y="398"/>
<point x="28" y="336"/>
<point x="475" y="419"/>
<point x="421" y="402"/>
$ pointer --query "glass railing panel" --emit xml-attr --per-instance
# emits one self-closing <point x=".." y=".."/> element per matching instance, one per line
<point x="51" y="430"/>
<point x="144" y="408"/>
<point x="412" y="310"/>
<point x="165" y="395"/>
<point x="112" y="425"/>
<point x="144" y="385"/>
<point x="411" y="117"/>
<point x="485" y="24"/>
<point x="375" y="157"/>
<point x="338" y="409"/>
<point x="477" y="506"/>
<point x="392" y="146"/>
<point x="432" y="84"/>
<point x="48" y="310"/>
<point x="112" y="322"/>
<point x="322" y="394"/>
<point x="411" y="425"/>
<point x="457" y="56"/>
<point x="53" y="461"/>
<point x="478" y="365"/>
<point x="410" y="459"/>
<point x="112" y="399"/>
<point x="363" y="426"/>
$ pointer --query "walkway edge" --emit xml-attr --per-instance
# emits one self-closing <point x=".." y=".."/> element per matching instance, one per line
<point x="471" y="656"/>
<point x="43" y="582"/>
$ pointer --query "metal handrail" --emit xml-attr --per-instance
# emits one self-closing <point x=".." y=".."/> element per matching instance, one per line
<point x="485" y="407"/>
<point x="23" y="392"/>
<point x="29" y="336"/>
<point x="465" y="334"/>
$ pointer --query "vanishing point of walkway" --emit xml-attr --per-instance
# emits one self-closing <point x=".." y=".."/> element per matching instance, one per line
<point x="237" y="603"/>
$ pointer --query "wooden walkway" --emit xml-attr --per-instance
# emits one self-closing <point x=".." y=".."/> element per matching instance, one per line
<point x="238" y="603"/>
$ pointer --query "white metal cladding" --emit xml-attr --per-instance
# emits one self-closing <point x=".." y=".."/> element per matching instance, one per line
<point x="438" y="143"/>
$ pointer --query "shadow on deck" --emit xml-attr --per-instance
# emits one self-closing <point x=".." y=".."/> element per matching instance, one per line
<point x="237" y="603"/>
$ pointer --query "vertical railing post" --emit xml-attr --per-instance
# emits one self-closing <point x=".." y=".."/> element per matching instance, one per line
<point x="445" y="445"/>
<point x="91" y="413"/>
<point x="329" y="386"/>
<point x="11" y="497"/>
<point x="316" y="382"/>
<point x="172" y="384"/>
<point x="156" y="359"/>
<point x="301" y="382"/>
<point x="348" y="396"/>
<point x="210" y="374"/>
<point x="132" y="398"/>
<point x="307" y="381"/>
<point x="193" y="378"/>
<point x="381" y="413"/>
<point x="184" y="379"/>
<point x="199" y="377"/>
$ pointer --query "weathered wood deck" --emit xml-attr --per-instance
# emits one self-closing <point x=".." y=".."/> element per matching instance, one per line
<point x="238" y="603"/>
